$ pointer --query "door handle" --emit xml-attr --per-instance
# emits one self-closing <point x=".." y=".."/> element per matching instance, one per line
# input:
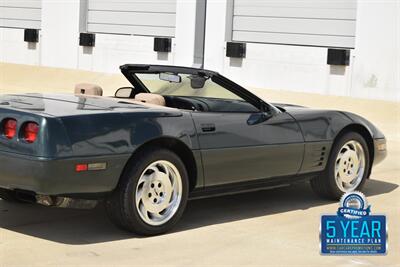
<point x="208" y="127"/>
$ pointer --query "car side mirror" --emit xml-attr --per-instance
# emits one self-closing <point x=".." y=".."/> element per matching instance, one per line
<point x="124" y="92"/>
<point x="259" y="117"/>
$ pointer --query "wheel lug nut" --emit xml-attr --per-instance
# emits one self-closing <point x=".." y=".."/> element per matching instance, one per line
<point x="159" y="185"/>
<point x="152" y="185"/>
<point x="161" y="194"/>
<point x="155" y="200"/>
<point x="149" y="195"/>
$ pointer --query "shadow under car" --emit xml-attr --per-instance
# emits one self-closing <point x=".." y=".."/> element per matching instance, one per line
<point x="77" y="227"/>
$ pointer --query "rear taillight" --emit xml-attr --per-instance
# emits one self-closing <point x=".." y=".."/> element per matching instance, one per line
<point x="9" y="128"/>
<point x="30" y="131"/>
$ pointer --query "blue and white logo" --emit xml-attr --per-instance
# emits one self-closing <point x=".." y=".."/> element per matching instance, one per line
<point x="353" y="205"/>
<point x="353" y="230"/>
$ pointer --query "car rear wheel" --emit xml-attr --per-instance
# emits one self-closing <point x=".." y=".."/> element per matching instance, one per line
<point x="347" y="167"/>
<point x="152" y="193"/>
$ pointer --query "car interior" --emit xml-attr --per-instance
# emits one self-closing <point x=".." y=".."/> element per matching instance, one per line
<point x="193" y="103"/>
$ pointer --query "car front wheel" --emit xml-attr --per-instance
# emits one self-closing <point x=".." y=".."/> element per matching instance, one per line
<point x="152" y="193"/>
<point x="347" y="168"/>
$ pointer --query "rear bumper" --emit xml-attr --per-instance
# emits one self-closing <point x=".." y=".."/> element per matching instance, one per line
<point x="58" y="176"/>
<point x="380" y="150"/>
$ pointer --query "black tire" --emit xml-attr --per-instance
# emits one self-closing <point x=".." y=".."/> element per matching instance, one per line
<point x="325" y="185"/>
<point x="120" y="205"/>
<point x="8" y="195"/>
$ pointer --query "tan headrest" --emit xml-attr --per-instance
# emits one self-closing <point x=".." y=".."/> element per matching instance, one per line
<point x="151" y="98"/>
<point x="88" y="89"/>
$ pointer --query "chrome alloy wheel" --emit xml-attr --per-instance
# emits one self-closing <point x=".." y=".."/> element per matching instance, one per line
<point x="350" y="166"/>
<point x="158" y="192"/>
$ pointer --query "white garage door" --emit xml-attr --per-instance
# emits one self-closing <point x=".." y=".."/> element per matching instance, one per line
<point x="329" y="23"/>
<point x="20" y="13"/>
<point x="138" y="17"/>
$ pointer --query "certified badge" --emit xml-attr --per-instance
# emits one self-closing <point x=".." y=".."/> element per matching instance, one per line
<point x="353" y="206"/>
<point x="353" y="230"/>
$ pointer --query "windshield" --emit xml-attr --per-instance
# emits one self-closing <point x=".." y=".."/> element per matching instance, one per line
<point x="185" y="85"/>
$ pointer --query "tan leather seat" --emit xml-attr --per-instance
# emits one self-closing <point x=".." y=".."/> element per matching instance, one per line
<point x="88" y="89"/>
<point x="151" y="99"/>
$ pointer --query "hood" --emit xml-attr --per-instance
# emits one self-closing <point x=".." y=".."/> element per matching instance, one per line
<point x="69" y="105"/>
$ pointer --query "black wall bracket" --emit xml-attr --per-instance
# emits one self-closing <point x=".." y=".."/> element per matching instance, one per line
<point x="162" y="44"/>
<point x="236" y="50"/>
<point x="87" y="39"/>
<point x="338" y="57"/>
<point x="31" y="35"/>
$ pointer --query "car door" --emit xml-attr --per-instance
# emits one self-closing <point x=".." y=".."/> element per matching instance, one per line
<point x="235" y="149"/>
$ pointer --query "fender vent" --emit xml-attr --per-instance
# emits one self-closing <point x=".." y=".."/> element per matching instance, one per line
<point x="315" y="156"/>
<point x="322" y="156"/>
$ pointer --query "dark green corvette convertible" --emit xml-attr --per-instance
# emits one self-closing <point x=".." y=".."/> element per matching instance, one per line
<point x="177" y="133"/>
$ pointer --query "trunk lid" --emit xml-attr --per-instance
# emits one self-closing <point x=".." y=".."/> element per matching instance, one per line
<point x="49" y="111"/>
<point x="59" y="105"/>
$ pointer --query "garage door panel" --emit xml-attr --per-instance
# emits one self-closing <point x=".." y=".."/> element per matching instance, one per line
<point x="20" y="13"/>
<point x="166" y="6"/>
<point x="139" y="30"/>
<point x="131" y="18"/>
<point x="26" y="24"/>
<point x="289" y="25"/>
<point x="317" y="13"/>
<point x="21" y="3"/>
<point x="134" y="17"/>
<point x="338" y="4"/>
<point x="304" y="22"/>
<point x="296" y="39"/>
